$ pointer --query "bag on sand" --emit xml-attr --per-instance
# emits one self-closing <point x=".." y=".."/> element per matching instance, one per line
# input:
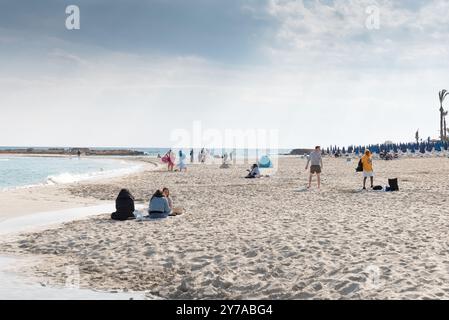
<point x="393" y="185"/>
<point x="378" y="188"/>
<point x="359" y="166"/>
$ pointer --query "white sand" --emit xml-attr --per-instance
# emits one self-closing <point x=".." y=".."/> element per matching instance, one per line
<point x="26" y="201"/>
<point x="15" y="287"/>
<point x="264" y="238"/>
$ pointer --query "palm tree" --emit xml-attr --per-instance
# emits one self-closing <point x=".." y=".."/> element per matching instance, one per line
<point x="442" y="95"/>
<point x="444" y="125"/>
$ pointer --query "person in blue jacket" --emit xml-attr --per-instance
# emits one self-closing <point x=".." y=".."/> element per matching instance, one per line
<point x="159" y="207"/>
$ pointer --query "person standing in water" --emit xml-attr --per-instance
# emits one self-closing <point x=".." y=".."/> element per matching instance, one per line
<point x="367" y="162"/>
<point x="316" y="162"/>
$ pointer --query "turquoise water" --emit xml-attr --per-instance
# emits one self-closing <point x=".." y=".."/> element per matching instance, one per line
<point x="28" y="171"/>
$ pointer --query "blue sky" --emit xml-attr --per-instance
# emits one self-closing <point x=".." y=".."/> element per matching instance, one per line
<point x="310" y="69"/>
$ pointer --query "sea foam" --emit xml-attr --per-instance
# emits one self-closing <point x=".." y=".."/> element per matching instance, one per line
<point x="66" y="178"/>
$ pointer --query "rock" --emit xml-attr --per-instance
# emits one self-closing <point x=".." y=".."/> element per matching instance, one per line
<point x="300" y="152"/>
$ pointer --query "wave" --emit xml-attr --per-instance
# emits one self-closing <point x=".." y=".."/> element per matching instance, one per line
<point x="67" y="177"/>
<point x="4" y="160"/>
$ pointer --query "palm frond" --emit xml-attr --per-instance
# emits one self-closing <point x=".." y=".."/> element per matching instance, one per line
<point x="442" y="95"/>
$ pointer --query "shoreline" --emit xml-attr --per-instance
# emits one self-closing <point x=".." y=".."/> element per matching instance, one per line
<point x="44" y="197"/>
<point x="44" y="207"/>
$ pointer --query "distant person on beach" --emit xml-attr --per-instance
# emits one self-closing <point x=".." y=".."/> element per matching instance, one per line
<point x="316" y="162"/>
<point x="225" y="158"/>
<point x="124" y="206"/>
<point x="254" y="172"/>
<point x="182" y="161"/>
<point x="169" y="159"/>
<point x="192" y="156"/>
<point x="202" y="156"/>
<point x="79" y="154"/>
<point x="159" y="207"/>
<point x="367" y="162"/>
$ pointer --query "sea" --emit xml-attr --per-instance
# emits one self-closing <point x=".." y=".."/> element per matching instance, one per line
<point x="22" y="171"/>
<point x="27" y="171"/>
<point x="251" y="153"/>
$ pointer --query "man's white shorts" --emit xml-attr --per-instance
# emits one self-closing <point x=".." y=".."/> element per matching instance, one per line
<point x="367" y="174"/>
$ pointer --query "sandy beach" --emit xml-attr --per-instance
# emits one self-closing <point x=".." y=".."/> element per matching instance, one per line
<point x="267" y="238"/>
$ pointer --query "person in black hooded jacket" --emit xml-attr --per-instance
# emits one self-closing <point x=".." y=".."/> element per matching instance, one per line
<point x="124" y="206"/>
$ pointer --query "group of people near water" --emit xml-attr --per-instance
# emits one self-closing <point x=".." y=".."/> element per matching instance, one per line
<point x="160" y="206"/>
<point x="170" y="159"/>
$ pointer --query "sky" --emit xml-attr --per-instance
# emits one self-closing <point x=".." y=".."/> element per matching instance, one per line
<point x="144" y="73"/>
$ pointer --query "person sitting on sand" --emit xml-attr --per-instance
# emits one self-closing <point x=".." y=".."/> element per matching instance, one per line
<point x="316" y="165"/>
<point x="159" y="207"/>
<point x="166" y="194"/>
<point x="367" y="162"/>
<point x="124" y="206"/>
<point x="254" y="172"/>
<point x="175" y="211"/>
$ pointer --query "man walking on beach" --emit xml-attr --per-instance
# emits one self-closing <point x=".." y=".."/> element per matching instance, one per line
<point x="367" y="162"/>
<point x="316" y="162"/>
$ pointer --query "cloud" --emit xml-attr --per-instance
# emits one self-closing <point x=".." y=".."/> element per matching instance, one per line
<point x="67" y="57"/>
<point x="319" y="75"/>
<point x="335" y="34"/>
